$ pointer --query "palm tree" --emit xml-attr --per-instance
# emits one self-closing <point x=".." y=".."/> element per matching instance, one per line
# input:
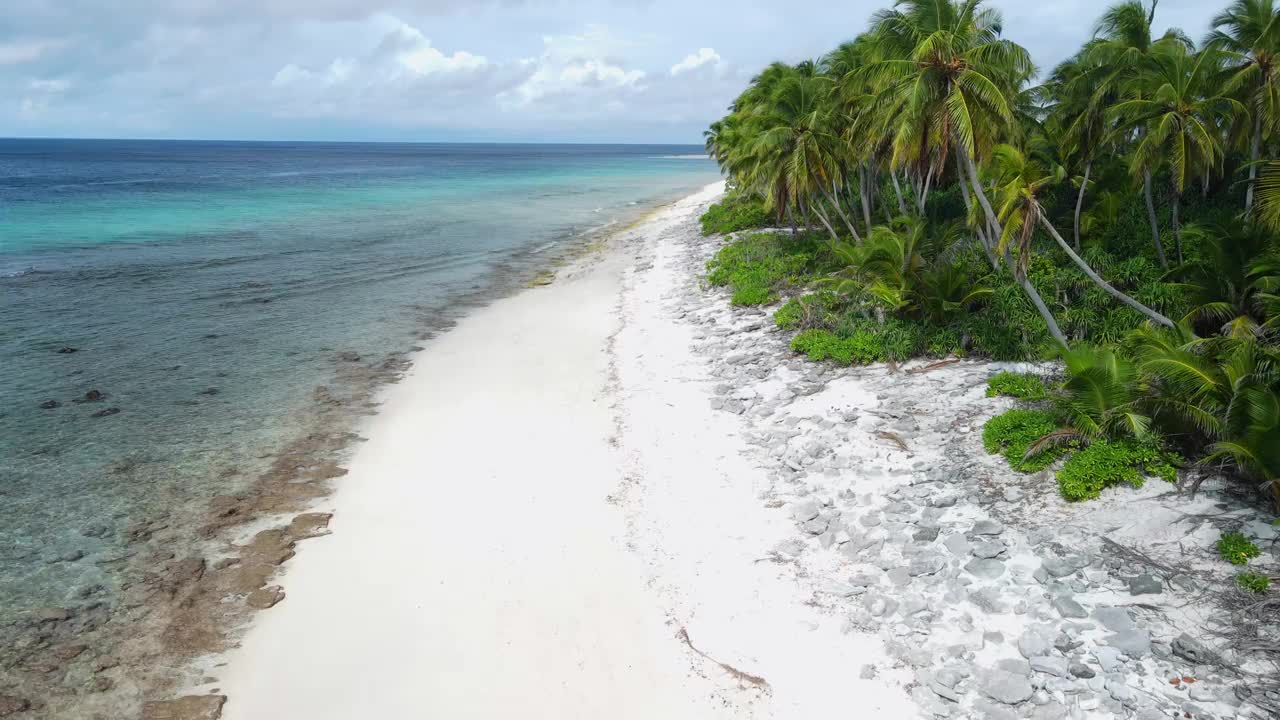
<point x="1179" y="116"/>
<point x="1249" y="33"/>
<point x="1019" y="184"/>
<point x="1123" y="45"/>
<point x="797" y="156"/>
<point x="951" y="77"/>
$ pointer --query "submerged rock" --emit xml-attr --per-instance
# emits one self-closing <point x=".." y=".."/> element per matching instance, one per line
<point x="191" y="707"/>
<point x="106" y="412"/>
<point x="50" y="404"/>
<point x="67" y="350"/>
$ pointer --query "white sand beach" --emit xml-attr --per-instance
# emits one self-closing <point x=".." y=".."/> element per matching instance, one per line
<point x="478" y="565"/>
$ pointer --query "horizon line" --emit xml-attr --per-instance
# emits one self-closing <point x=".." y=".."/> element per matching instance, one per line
<point x="366" y="142"/>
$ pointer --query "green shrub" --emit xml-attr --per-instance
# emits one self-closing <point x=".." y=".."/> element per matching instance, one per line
<point x="1104" y="464"/>
<point x="808" y="311"/>
<point x="859" y="348"/>
<point x="945" y="341"/>
<point x="1011" y="433"/>
<point x="757" y="267"/>
<point x="1024" y="386"/>
<point x="735" y="212"/>
<point x="1236" y="549"/>
<point x="1253" y="582"/>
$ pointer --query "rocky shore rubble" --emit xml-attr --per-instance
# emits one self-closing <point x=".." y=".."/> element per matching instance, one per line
<point x="1002" y="600"/>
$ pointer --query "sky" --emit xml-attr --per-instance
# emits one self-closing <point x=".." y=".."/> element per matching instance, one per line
<point x="436" y="70"/>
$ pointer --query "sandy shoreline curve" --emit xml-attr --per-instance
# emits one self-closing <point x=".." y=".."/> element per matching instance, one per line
<point x="474" y="568"/>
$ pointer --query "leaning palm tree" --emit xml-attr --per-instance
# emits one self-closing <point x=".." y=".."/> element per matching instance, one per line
<point x="1248" y="32"/>
<point x="1020" y="182"/>
<point x="1179" y="114"/>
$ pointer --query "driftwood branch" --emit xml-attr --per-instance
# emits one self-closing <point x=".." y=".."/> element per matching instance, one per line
<point x="739" y="675"/>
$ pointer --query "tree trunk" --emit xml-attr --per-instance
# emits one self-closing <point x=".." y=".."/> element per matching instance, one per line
<point x="791" y="219"/>
<point x="1177" y="228"/>
<point x="982" y="235"/>
<point x="1023" y="282"/>
<point x="924" y="193"/>
<point x="1117" y="294"/>
<point x="864" y="191"/>
<point x="1253" y="160"/>
<point x="897" y="190"/>
<point x="1080" y="200"/>
<point x="831" y="199"/>
<point x="1151" y="218"/>
<point x="821" y="216"/>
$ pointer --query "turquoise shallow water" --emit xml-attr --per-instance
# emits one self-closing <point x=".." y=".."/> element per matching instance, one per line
<point x="210" y="288"/>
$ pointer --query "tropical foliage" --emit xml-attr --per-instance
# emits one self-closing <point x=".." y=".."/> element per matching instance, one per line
<point x="933" y="192"/>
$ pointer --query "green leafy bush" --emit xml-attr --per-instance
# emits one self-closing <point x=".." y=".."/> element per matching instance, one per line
<point x="1024" y="386"/>
<point x="1011" y="434"/>
<point x="1236" y="549"/>
<point x="808" y="311"/>
<point x="1104" y="464"/>
<point x="736" y="212"/>
<point x="1253" y="582"/>
<point x="859" y="348"/>
<point x="757" y="267"/>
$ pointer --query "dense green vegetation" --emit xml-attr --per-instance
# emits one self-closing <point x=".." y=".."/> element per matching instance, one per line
<point x="1024" y="386"/>
<point x="1253" y="582"/>
<point x="1118" y="211"/>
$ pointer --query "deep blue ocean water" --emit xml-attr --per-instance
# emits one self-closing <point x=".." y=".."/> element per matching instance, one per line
<point x="209" y="288"/>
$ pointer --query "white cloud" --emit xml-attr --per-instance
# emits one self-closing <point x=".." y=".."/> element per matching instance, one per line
<point x="22" y="52"/>
<point x="575" y="66"/>
<point x="696" y="60"/>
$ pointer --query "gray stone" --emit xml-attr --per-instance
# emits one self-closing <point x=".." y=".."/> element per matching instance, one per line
<point x="951" y="676"/>
<point x="1067" y="607"/>
<point x="1114" y="619"/>
<point x="1108" y="658"/>
<point x="1005" y="687"/>
<point x="1057" y="567"/>
<point x="1134" y="643"/>
<point x="925" y="534"/>
<point x="1202" y="693"/>
<point x="816" y="526"/>
<point x="957" y="544"/>
<point x="899" y="576"/>
<point x="1032" y="644"/>
<point x="1192" y="650"/>
<point x="988" y="549"/>
<point x="868" y="672"/>
<point x="988" y="600"/>
<point x="1145" y="584"/>
<point x="926" y="566"/>
<point x="943" y="691"/>
<point x="987" y="527"/>
<point x="1081" y="670"/>
<point x="1017" y="666"/>
<point x="987" y="569"/>
<point x="1051" y="711"/>
<point x="805" y="511"/>
<point x="863" y="580"/>
<point x="1055" y="666"/>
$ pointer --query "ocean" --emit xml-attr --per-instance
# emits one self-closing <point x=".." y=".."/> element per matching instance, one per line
<point x="173" y="313"/>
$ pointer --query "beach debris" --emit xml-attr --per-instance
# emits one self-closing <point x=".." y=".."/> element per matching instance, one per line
<point x="933" y="366"/>
<point x="755" y="680"/>
<point x="50" y="404"/>
<point x="895" y="438"/>
<point x="191" y="707"/>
